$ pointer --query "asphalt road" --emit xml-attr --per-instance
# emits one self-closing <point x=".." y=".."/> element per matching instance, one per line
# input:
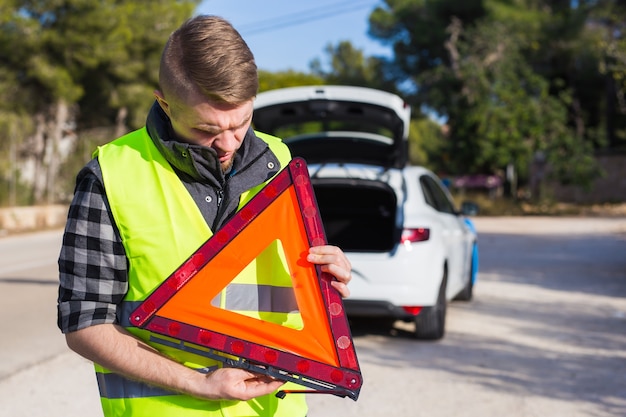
<point x="544" y="336"/>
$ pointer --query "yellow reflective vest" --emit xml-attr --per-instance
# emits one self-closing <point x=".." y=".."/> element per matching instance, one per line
<point x="161" y="226"/>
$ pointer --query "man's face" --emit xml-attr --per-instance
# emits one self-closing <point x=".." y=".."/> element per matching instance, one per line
<point x="214" y="125"/>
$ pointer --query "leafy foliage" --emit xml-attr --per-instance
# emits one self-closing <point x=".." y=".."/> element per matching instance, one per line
<point x="272" y="81"/>
<point x="514" y="79"/>
<point x="349" y="66"/>
<point x="75" y="64"/>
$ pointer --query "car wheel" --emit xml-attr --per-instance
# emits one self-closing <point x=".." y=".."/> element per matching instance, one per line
<point x="431" y="321"/>
<point x="467" y="292"/>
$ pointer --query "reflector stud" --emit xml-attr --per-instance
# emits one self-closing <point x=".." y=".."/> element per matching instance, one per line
<point x="303" y="366"/>
<point x="335" y="309"/>
<point x="300" y="180"/>
<point x="238" y="347"/>
<point x="246" y="214"/>
<point x="174" y="282"/>
<point x="270" y="191"/>
<point x="336" y="375"/>
<point x="173" y="329"/>
<point x="343" y="342"/>
<point x="148" y="306"/>
<point x="204" y="337"/>
<point x="271" y="356"/>
<point x="221" y="237"/>
<point x="309" y="211"/>
<point x="198" y="259"/>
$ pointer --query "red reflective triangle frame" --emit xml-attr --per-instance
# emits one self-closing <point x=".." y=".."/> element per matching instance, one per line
<point x="321" y="355"/>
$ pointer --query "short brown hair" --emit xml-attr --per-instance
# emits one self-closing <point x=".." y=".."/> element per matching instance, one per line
<point x="207" y="55"/>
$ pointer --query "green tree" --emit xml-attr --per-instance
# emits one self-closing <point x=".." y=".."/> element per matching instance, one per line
<point x="123" y="81"/>
<point x="605" y="34"/>
<point x="427" y="142"/>
<point x="486" y="65"/>
<point x="349" y="66"/>
<point x="282" y="79"/>
<point x="76" y="63"/>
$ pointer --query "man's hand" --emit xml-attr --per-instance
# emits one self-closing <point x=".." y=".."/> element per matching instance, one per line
<point x="334" y="261"/>
<point x="238" y="384"/>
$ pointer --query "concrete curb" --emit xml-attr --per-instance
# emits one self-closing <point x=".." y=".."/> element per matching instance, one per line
<point x="31" y="218"/>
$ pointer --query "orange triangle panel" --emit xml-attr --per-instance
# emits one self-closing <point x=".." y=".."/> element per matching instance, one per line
<point x="318" y="352"/>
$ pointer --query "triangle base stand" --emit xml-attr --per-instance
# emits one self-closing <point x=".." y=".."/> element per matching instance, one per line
<point x="318" y="387"/>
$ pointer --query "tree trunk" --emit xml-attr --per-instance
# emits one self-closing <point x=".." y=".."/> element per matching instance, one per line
<point x="36" y="153"/>
<point x="46" y="155"/>
<point x="53" y="155"/>
<point x="120" y="122"/>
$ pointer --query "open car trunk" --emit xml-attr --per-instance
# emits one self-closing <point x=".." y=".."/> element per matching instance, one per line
<point x="339" y="124"/>
<point x="363" y="128"/>
<point x="358" y="215"/>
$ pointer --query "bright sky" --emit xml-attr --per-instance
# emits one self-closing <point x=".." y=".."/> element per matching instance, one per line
<point x="289" y="34"/>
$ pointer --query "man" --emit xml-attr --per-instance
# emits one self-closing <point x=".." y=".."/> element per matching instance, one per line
<point x="145" y="203"/>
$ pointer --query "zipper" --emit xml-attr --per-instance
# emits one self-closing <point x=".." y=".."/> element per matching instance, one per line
<point x="220" y="198"/>
<point x="218" y="213"/>
<point x="220" y="192"/>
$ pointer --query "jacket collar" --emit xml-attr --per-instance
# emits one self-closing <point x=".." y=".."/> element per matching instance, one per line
<point x="197" y="162"/>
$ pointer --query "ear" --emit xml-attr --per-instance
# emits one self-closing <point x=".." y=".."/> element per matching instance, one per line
<point x="160" y="98"/>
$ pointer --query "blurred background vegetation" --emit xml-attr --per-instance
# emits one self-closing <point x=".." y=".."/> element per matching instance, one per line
<point x="527" y="91"/>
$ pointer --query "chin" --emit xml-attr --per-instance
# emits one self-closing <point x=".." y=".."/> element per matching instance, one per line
<point x="226" y="166"/>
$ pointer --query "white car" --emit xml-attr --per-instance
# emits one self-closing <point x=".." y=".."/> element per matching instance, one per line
<point x="411" y="251"/>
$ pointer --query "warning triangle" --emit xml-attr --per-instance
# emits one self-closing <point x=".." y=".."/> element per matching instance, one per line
<point x="313" y="345"/>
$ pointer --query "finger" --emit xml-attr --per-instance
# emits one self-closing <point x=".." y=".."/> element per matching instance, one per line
<point x="256" y="388"/>
<point x="328" y="255"/>
<point x="329" y="250"/>
<point x="239" y="384"/>
<point x="341" y="288"/>
<point x="342" y="274"/>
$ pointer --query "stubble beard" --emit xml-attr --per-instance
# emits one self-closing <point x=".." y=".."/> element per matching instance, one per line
<point x="226" y="165"/>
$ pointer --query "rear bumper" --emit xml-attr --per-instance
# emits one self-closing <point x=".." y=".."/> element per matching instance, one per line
<point x="375" y="308"/>
<point x="409" y="277"/>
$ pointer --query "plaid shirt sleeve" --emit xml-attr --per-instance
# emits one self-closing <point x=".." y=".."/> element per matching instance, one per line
<point x="92" y="264"/>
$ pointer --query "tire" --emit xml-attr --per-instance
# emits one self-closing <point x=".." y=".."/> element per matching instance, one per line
<point x="467" y="292"/>
<point x="430" y="323"/>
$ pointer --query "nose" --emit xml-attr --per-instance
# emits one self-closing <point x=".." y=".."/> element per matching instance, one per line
<point x="226" y="142"/>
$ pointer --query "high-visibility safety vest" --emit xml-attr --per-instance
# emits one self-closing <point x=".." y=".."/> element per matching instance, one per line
<point x="161" y="226"/>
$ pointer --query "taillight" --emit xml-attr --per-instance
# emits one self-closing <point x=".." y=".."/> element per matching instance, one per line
<point x="415" y="235"/>
<point x="412" y="310"/>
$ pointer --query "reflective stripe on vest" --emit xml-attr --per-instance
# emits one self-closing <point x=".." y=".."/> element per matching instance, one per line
<point x="115" y="386"/>
<point x="160" y="227"/>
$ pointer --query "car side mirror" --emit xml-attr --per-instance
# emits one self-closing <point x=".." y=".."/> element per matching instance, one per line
<point x="469" y="208"/>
